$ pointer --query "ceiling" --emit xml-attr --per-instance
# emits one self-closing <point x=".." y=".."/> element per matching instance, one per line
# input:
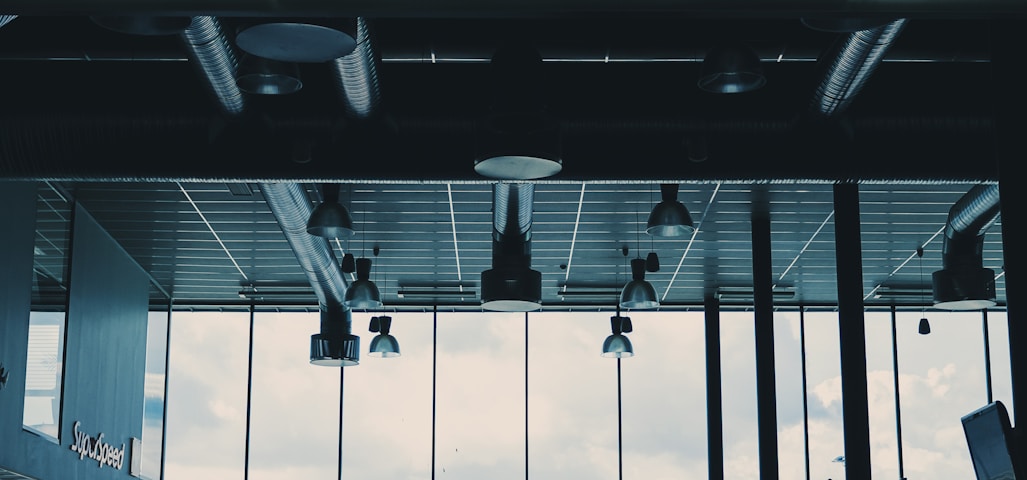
<point x="128" y="126"/>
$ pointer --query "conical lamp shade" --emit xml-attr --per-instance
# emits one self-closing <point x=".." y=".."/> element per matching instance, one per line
<point x="384" y="346"/>
<point x="669" y="218"/>
<point x="330" y="219"/>
<point x="363" y="293"/>
<point x="617" y="346"/>
<point x="638" y="294"/>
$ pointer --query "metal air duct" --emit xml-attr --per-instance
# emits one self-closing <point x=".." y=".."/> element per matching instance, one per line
<point x="963" y="283"/>
<point x="209" y="49"/>
<point x="356" y="75"/>
<point x="5" y="19"/>
<point x="858" y="55"/>
<point x="335" y="345"/>
<point x="511" y="285"/>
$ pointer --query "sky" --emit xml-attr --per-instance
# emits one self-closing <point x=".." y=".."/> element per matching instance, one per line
<point x="568" y="404"/>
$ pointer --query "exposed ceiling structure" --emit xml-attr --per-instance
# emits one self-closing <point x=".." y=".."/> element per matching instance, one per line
<point x="150" y="131"/>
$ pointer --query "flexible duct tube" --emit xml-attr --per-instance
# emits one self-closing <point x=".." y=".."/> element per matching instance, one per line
<point x="969" y="219"/>
<point x="289" y="203"/>
<point x="5" y="19"/>
<point x="357" y="75"/>
<point x="209" y="48"/>
<point x="858" y="56"/>
<point x="512" y="205"/>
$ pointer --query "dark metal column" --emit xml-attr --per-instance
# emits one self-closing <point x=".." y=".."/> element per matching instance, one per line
<point x="714" y="411"/>
<point x="851" y="331"/>
<point x="763" y="303"/>
<point x="1007" y="52"/>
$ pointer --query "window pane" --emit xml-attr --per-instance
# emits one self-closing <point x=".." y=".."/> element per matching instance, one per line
<point x="153" y="399"/>
<point x="738" y="377"/>
<point x="788" y="376"/>
<point x="1001" y="375"/>
<point x="664" y="396"/>
<point x="884" y="450"/>
<point x="480" y="396"/>
<point x="207" y="384"/>
<point x="47" y="318"/>
<point x="824" y="393"/>
<point x="572" y="391"/>
<point x="387" y="404"/>
<point x="44" y="373"/>
<point x="294" y="411"/>
<point x="941" y="379"/>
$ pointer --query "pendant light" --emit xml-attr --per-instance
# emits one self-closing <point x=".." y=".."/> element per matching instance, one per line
<point x="669" y="218"/>
<point x="330" y="219"/>
<point x="925" y="326"/>
<point x="617" y="345"/>
<point x="383" y="345"/>
<point x="638" y="293"/>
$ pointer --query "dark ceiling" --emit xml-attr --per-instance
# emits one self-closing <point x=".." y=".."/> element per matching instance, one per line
<point x="128" y="126"/>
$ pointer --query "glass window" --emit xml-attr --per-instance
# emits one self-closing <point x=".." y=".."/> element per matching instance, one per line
<point x="48" y="316"/>
<point x="941" y="378"/>
<point x="572" y="396"/>
<point x="998" y="346"/>
<point x="294" y="411"/>
<point x="824" y="395"/>
<point x="153" y="398"/>
<point x="44" y="373"/>
<point x="387" y="404"/>
<point x="884" y="451"/>
<point x="664" y="397"/>
<point x="738" y="386"/>
<point x="788" y="376"/>
<point x="480" y="396"/>
<point x="207" y="388"/>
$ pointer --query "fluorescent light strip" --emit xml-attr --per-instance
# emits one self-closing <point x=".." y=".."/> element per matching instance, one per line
<point x="690" y="240"/>
<point x="574" y="236"/>
<point x="452" y="221"/>
<point x="216" y="237"/>
<point x="903" y="264"/>
<point x="804" y="247"/>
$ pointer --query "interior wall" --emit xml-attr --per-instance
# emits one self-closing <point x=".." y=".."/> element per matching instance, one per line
<point x="104" y="351"/>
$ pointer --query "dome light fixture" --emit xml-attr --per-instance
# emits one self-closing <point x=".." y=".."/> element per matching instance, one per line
<point x="363" y="293"/>
<point x="330" y="219"/>
<point x="383" y="345"/>
<point x="669" y="218"/>
<point x="638" y="294"/>
<point x="731" y="68"/>
<point x="617" y="345"/>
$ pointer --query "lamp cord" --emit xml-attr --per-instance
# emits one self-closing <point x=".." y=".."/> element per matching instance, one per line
<point x="620" y="438"/>
<point x="923" y="299"/>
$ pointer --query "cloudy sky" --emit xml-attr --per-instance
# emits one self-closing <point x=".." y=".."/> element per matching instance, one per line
<point x="568" y="406"/>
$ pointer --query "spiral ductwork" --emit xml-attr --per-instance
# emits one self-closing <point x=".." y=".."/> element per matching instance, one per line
<point x="857" y="57"/>
<point x="5" y="19"/>
<point x="210" y="50"/>
<point x="511" y="285"/>
<point x="334" y="345"/>
<point x="356" y="75"/>
<point x="963" y="283"/>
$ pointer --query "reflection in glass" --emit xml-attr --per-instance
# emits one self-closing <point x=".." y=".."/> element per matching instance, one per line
<point x="153" y="388"/>
<point x="44" y="373"/>
<point x="207" y="386"/>
<point x="47" y="319"/>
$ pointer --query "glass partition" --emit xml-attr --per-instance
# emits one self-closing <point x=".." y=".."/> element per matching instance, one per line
<point x="153" y="398"/>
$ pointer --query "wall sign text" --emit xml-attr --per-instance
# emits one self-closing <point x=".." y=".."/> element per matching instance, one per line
<point x="96" y="449"/>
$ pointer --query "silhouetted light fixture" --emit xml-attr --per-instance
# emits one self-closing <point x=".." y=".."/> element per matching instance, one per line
<point x="264" y="76"/>
<point x="669" y="218"/>
<point x="652" y="262"/>
<point x="349" y="263"/>
<point x="925" y="326"/>
<point x="335" y="345"/>
<point x="731" y="68"/>
<point x="617" y="345"/>
<point x="383" y="345"/>
<point x="638" y="294"/>
<point x="518" y="139"/>
<point x="363" y="293"/>
<point x="330" y="219"/>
